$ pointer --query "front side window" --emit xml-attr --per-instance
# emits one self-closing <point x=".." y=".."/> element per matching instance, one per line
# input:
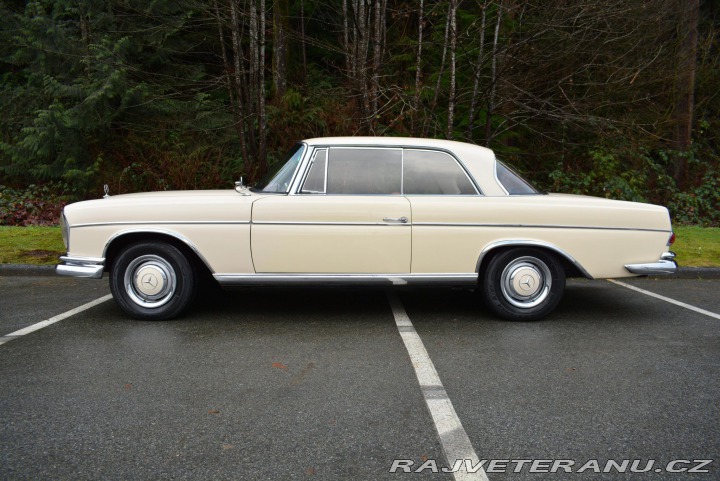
<point x="364" y="171"/>
<point x="512" y="182"/>
<point x="317" y="174"/>
<point x="434" y="173"/>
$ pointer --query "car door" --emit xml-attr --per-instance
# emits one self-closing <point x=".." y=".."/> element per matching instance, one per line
<point x="347" y="217"/>
<point x="445" y="204"/>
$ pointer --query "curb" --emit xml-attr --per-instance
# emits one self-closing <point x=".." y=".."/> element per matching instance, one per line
<point x="32" y="270"/>
<point x="26" y="270"/>
<point x="693" y="273"/>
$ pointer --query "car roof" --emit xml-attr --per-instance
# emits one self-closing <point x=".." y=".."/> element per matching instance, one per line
<point x="398" y="142"/>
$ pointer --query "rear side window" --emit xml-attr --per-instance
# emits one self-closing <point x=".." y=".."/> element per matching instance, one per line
<point x="364" y="171"/>
<point x="512" y="182"/>
<point x="434" y="173"/>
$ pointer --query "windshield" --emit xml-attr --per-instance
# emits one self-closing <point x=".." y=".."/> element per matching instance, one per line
<point x="279" y="177"/>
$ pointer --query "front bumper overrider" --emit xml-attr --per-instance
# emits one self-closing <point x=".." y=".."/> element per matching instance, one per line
<point x="89" y="267"/>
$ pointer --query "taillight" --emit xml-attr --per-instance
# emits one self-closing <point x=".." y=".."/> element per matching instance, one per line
<point x="671" y="240"/>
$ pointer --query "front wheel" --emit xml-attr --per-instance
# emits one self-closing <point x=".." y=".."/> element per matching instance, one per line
<point x="152" y="281"/>
<point x="523" y="284"/>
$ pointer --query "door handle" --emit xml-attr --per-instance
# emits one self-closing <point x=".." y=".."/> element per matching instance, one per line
<point x="402" y="220"/>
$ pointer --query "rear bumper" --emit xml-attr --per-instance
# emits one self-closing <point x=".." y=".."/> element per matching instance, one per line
<point x="89" y="267"/>
<point x="664" y="266"/>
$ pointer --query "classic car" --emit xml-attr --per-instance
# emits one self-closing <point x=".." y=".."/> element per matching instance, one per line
<point x="365" y="211"/>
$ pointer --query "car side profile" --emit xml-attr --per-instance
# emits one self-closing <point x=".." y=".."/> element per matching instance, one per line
<point x="366" y="211"/>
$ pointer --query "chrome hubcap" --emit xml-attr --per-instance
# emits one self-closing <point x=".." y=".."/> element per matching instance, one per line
<point x="150" y="281"/>
<point x="526" y="282"/>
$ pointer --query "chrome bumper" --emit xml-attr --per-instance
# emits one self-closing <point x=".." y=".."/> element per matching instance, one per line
<point x="664" y="266"/>
<point x="81" y="267"/>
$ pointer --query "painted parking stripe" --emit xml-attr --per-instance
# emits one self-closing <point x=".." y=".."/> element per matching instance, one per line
<point x="453" y="438"/>
<point x="667" y="299"/>
<point x="53" y="320"/>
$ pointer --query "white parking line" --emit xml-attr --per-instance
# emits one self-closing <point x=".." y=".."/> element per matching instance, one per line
<point x="667" y="299"/>
<point x="453" y="438"/>
<point x="53" y="320"/>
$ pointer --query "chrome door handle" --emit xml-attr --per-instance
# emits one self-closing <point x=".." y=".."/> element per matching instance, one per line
<point x="402" y="220"/>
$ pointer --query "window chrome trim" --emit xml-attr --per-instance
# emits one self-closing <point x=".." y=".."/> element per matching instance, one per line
<point x="285" y="279"/>
<point x="530" y="243"/>
<point x="300" y="169"/>
<point x="295" y="190"/>
<point x="497" y="179"/>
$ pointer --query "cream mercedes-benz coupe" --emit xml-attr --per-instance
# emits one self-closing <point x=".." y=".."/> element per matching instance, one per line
<point x="366" y="211"/>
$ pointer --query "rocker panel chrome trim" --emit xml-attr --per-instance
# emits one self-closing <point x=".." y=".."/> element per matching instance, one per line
<point x="345" y="279"/>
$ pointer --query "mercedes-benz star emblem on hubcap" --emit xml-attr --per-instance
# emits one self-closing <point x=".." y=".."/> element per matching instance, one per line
<point x="527" y="282"/>
<point x="149" y="280"/>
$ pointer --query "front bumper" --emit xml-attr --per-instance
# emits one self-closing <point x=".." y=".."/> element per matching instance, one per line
<point x="90" y="267"/>
<point x="664" y="266"/>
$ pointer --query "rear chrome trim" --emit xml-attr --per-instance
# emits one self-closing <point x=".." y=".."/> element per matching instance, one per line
<point x="345" y="279"/>
<point x="666" y="265"/>
<point x="88" y="267"/>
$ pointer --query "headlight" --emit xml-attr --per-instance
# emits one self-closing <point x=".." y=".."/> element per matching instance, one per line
<point x="65" y="231"/>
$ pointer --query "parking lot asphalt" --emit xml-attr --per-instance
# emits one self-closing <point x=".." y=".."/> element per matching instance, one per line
<point x="317" y="384"/>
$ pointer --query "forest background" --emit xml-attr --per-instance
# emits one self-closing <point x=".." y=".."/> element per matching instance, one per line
<point x="602" y="97"/>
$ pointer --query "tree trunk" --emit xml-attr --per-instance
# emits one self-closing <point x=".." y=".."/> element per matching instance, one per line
<point x="493" y="78"/>
<point x="377" y="57"/>
<point x="262" y="116"/>
<point x="478" y="72"/>
<point x="453" y="48"/>
<point x="426" y="127"/>
<point x="280" y="47"/>
<point x="418" y="69"/>
<point x="685" y="84"/>
<point x="302" y="40"/>
<point x="238" y="75"/>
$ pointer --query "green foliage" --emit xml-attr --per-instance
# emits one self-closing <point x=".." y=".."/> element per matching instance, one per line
<point x="645" y="177"/>
<point x="33" y="205"/>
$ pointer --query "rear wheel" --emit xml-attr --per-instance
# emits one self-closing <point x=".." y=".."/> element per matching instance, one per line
<point x="523" y="284"/>
<point x="152" y="281"/>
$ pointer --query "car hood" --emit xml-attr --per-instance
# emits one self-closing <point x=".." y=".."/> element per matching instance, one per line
<point x="164" y="207"/>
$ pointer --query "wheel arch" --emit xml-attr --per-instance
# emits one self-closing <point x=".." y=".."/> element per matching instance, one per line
<point x="572" y="267"/>
<point x="122" y="239"/>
